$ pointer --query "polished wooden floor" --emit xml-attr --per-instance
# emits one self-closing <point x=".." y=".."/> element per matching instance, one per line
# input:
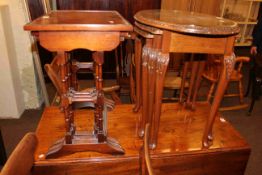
<point x="179" y="150"/>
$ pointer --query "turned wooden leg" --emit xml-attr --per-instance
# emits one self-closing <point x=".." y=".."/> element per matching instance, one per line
<point x="138" y="53"/>
<point x="162" y="63"/>
<point x="74" y="69"/>
<point x="98" y="58"/>
<point x="70" y="84"/>
<point x="145" y="55"/>
<point x="228" y="66"/>
<point x="69" y="72"/>
<point x="67" y="109"/>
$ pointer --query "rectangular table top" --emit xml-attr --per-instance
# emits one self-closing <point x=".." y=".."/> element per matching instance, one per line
<point x="80" y="20"/>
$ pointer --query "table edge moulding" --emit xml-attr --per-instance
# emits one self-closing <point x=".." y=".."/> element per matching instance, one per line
<point x="187" y="22"/>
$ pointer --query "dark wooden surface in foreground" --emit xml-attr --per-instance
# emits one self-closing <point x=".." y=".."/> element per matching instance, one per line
<point x="179" y="150"/>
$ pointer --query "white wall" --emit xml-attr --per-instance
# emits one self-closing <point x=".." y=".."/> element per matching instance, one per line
<point x="18" y="85"/>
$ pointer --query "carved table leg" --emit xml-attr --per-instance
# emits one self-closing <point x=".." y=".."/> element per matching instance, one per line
<point x="151" y="83"/>
<point x="152" y="63"/>
<point x="144" y="117"/>
<point x="138" y="53"/>
<point x="228" y="66"/>
<point x="162" y="63"/>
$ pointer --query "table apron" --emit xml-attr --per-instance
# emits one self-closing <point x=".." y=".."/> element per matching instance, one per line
<point x="197" y="44"/>
<point x="67" y="41"/>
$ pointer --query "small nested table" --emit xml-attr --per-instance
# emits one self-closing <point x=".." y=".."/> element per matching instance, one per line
<point x="167" y="31"/>
<point x="97" y="31"/>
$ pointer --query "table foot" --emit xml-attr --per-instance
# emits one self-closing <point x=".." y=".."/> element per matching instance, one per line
<point x="208" y="141"/>
<point x="141" y="133"/>
<point x="83" y="141"/>
<point x="136" y="107"/>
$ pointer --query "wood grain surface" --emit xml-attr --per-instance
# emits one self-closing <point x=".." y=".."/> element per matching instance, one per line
<point x="179" y="146"/>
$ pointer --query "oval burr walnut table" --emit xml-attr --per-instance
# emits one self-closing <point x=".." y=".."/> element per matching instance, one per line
<point x="97" y="31"/>
<point x="167" y="31"/>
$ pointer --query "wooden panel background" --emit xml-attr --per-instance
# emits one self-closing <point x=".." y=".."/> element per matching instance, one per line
<point x="127" y="8"/>
<point x="36" y="8"/>
<point x="210" y="7"/>
<point x="176" y="5"/>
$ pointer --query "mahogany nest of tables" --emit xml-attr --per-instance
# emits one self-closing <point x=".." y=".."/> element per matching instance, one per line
<point x="173" y="31"/>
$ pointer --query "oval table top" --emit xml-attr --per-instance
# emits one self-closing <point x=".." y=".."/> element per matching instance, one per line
<point x="187" y="22"/>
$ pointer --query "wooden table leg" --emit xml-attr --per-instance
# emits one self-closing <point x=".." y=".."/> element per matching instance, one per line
<point x="198" y="82"/>
<point x="183" y="82"/>
<point x="162" y="64"/>
<point x="228" y="67"/>
<point x="152" y="63"/>
<point x="191" y="83"/>
<point x="66" y="107"/>
<point x="145" y="55"/>
<point x="70" y="85"/>
<point x="98" y="58"/>
<point x="138" y="53"/>
<point x="77" y="141"/>
<point x="151" y="83"/>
